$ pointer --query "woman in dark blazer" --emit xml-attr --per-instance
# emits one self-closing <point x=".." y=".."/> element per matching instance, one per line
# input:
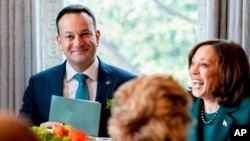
<point x="220" y="75"/>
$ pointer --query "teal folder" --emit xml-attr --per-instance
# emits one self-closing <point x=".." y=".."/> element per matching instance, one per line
<point x="81" y="114"/>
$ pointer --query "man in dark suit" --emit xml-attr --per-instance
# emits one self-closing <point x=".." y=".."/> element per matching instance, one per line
<point x="78" y="39"/>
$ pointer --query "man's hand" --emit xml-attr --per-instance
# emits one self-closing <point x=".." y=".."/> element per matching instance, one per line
<point x="50" y="124"/>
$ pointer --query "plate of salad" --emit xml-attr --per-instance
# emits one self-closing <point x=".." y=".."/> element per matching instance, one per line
<point x="61" y="133"/>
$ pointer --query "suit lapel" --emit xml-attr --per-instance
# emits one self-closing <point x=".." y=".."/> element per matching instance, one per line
<point x="193" y="132"/>
<point x="105" y="82"/>
<point x="56" y="80"/>
<point x="223" y="123"/>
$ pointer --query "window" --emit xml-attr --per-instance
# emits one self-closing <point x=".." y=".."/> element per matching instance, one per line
<point x="146" y="36"/>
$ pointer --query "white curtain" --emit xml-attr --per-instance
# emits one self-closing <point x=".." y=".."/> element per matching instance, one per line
<point x="27" y="39"/>
<point x="17" y="50"/>
<point x="227" y="19"/>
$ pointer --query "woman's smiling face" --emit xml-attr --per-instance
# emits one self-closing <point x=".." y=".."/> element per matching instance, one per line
<point x="204" y="72"/>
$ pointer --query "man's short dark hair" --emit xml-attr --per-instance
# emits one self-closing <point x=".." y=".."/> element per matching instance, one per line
<point x="74" y="8"/>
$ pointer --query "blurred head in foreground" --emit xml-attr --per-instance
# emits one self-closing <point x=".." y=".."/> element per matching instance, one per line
<point x="150" y="108"/>
<point x="14" y="129"/>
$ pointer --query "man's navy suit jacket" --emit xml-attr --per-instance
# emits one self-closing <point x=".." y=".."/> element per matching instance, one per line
<point x="43" y="85"/>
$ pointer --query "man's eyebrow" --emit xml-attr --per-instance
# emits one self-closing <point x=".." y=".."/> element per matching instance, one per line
<point x="68" y="32"/>
<point x="84" y="30"/>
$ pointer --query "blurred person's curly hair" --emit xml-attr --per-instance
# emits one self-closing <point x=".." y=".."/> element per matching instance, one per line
<point x="150" y="108"/>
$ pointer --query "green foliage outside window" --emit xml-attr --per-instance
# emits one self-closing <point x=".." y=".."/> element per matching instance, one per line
<point x="153" y="35"/>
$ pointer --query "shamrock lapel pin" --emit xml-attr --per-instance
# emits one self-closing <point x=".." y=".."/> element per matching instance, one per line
<point x="109" y="103"/>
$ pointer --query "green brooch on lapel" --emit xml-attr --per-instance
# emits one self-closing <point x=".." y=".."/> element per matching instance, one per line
<point x="109" y="103"/>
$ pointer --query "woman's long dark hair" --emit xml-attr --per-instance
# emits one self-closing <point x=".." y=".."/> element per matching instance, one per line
<point x="234" y="70"/>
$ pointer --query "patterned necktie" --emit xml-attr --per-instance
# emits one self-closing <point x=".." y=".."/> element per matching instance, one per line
<point x="82" y="89"/>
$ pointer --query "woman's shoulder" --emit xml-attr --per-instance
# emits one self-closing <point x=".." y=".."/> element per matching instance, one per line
<point x="245" y="102"/>
<point x="242" y="111"/>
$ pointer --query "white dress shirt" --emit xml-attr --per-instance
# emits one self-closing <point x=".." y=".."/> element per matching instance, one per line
<point x="70" y="84"/>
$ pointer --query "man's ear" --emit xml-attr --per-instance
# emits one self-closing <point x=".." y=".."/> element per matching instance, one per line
<point x="59" y="42"/>
<point x="97" y="35"/>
